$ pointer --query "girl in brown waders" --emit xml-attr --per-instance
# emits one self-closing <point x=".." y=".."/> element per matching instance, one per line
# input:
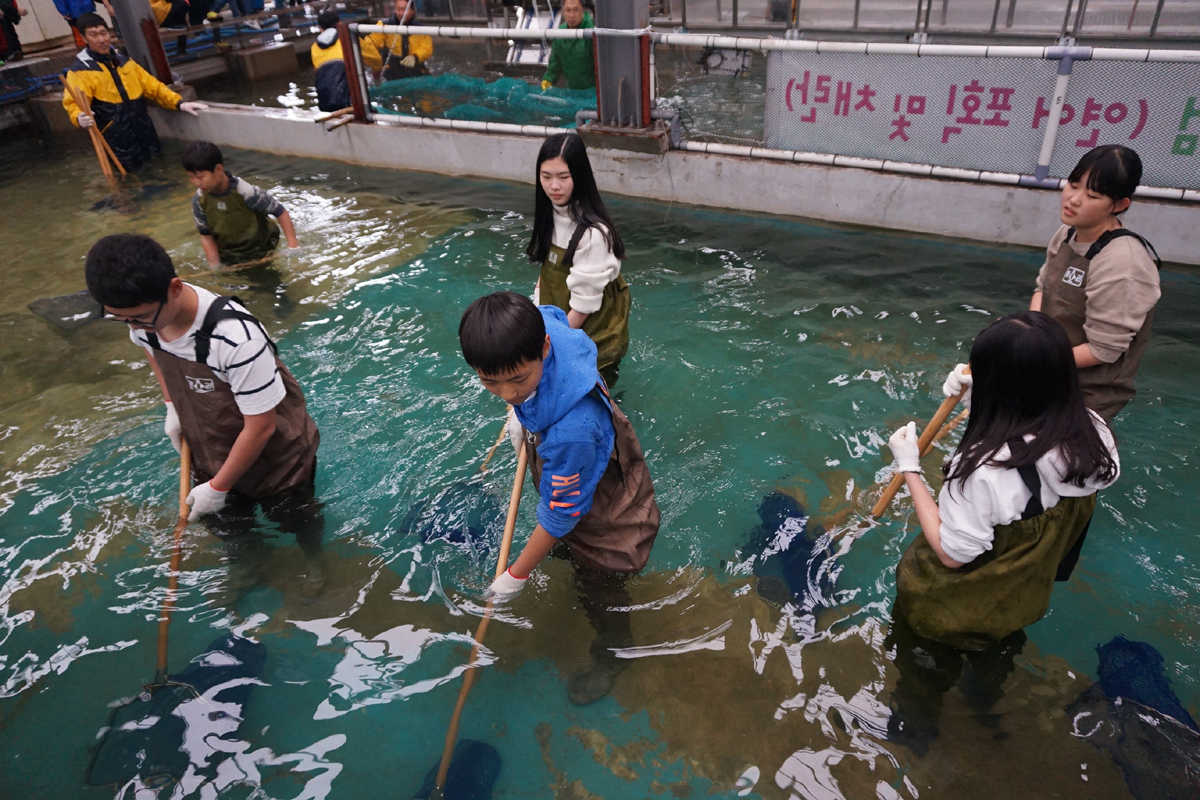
<point x="1018" y="492"/>
<point x="226" y="391"/>
<point x="576" y="243"/>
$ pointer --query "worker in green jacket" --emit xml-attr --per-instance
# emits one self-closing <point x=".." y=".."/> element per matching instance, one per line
<point x="572" y="57"/>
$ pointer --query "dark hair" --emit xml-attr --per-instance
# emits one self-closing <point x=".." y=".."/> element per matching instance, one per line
<point x="91" y="20"/>
<point x="585" y="207"/>
<point x="200" y="156"/>
<point x="1025" y="382"/>
<point x="328" y="18"/>
<point x="500" y="332"/>
<point x="128" y="269"/>
<point x="1112" y="170"/>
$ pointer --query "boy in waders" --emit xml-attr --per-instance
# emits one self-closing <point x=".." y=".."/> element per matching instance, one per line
<point x="232" y="216"/>
<point x="227" y="393"/>
<point x="1018" y="494"/>
<point x="597" y="502"/>
<point x="580" y="253"/>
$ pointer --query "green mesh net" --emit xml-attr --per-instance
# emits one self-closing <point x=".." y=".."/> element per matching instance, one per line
<point x="452" y="96"/>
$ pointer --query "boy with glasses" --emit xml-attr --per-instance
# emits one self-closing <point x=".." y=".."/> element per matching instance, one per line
<point x="241" y="411"/>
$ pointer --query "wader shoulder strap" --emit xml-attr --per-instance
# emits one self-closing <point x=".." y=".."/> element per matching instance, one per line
<point x="116" y="76"/>
<point x="576" y="237"/>
<point x="1033" y="482"/>
<point x="600" y="392"/>
<point x="1108" y="236"/>
<point x="220" y="310"/>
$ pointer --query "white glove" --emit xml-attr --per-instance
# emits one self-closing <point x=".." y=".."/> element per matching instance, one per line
<point x="204" y="499"/>
<point x="173" y="428"/>
<point x="409" y="61"/>
<point x="959" y="382"/>
<point x="905" y="448"/>
<point x="516" y="433"/>
<point x="85" y="121"/>
<point x="192" y="108"/>
<point x="506" y="587"/>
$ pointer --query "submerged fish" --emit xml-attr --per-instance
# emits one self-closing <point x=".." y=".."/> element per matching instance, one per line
<point x="464" y="514"/>
<point x="790" y="566"/>
<point x="1133" y="714"/>
<point x="157" y="736"/>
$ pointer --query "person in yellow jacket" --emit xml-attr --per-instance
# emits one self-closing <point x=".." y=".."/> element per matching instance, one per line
<point x="172" y="14"/>
<point x="117" y="88"/>
<point x="393" y="55"/>
<point x="333" y="88"/>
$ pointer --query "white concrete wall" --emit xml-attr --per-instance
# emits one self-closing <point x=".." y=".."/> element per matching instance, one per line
<point x="984" y="212"/>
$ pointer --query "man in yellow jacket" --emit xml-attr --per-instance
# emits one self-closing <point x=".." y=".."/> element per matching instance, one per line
<point x="117" y="88"/>
<point x="394" y="55"/>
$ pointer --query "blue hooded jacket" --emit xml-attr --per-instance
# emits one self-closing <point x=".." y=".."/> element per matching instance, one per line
<point x="575" y="425"/>
<point x="74" y="9"/>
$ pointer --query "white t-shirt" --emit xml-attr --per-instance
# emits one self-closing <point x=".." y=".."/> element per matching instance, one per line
<point x="239" y="354"/>
<point x="992" y="496"/>
<point x="593" y="266"/>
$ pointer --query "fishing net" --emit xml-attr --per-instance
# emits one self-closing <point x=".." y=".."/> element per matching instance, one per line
<point x="454" y="96"/>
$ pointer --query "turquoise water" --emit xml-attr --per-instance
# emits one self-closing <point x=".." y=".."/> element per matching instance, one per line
<point x="767" y="354"/>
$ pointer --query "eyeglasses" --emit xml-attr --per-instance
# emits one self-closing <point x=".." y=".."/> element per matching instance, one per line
<point x="152" y="324"/>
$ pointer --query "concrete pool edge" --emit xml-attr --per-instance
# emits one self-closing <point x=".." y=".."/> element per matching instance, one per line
<point x="1001" y="214"/>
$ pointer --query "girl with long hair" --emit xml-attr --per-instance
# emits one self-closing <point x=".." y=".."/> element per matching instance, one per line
<point x="576" y="243"/>
<point x="1019" y="492"/>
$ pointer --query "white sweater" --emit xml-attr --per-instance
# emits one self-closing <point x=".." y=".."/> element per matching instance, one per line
<point x="993" y="496"/>
<point x="594" y="265"/>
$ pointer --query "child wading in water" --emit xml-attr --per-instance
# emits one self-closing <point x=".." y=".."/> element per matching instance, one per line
<point x="1019" y="492"/>
<point x="597" y="503"/>
<point x="232" y="216"/>
<point x="1100" y="279"/>
<point x="577" y="245"/>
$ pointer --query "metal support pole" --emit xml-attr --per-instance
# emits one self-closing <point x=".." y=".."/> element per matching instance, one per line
<point x="683" y="14"/>
<point x="1157" y="15"/>
<point x="995" y="17"/>
<point x="928" y="8"/>
<point x="735" y="12"/>
<point x="1079" y="17"/>
<point x="620" y="63"/>
<point x="1066" y="57"/>
<point x="1012" y="13"/>
<point x="142" y="42"/>
<point x="917" y="24"/>
<point x="857" y="3"/>
<point x="945" y="8"/>
<point x="1066" y="19"/>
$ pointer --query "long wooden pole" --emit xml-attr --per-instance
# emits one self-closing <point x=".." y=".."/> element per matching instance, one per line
<point x="103" y="150"/>
<point x="510" y="524"/>
<point x="924" y="445"/>
<point x="164" y="619"/>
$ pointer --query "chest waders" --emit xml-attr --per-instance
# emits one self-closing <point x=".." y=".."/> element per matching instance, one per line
<point x="242" y="233"/>
<point x="211" y="419"/>
<point x="608" y="327"/>
<point x="127" y="125"/>
<point x="617" y="534"/>
<point x="1005" y="588"/>
<point x="392" y="68"/>
<point x="1106" y="387"/>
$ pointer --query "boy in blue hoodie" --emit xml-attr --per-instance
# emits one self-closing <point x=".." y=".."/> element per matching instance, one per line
<point x="597" y="499"/>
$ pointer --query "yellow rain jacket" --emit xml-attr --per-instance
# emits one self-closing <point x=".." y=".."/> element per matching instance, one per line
<point x="387" y="50"/>
<point x="117" y="88"/>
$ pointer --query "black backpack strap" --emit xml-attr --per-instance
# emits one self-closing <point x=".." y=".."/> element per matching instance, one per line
<point x="569" y="255"/>
<point x="218" y="311"/>
<point x="1109" y="236"/>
